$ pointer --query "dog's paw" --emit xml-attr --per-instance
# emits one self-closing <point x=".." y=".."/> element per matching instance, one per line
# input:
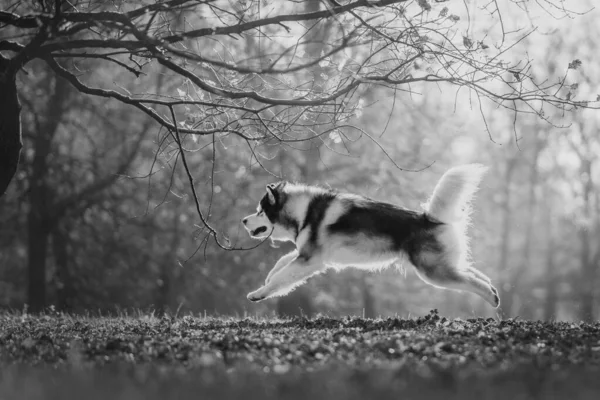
<point x="496" y="301"/>
<point x="256" y="296"/>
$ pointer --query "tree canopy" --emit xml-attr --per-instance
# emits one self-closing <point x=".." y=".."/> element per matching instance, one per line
<point x="247" y="68"/>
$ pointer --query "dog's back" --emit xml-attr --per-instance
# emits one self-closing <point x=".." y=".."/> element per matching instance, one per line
<point x="370" y="234"/>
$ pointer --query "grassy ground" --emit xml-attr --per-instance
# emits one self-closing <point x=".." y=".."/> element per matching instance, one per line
<point x="429" y="357"/>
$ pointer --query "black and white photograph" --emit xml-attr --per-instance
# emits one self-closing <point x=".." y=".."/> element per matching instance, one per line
<point x="299" y="199"/>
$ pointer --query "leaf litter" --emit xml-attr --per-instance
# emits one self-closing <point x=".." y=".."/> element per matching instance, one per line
<point x="350" y="358"/>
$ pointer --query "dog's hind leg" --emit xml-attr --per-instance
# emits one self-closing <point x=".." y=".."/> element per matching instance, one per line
<point x="446" y="276"/>
<point x="283" y="261"/>
<point x="479" y="274"/>
<point x="486" y="279"/>
<point x="289" y="277"/>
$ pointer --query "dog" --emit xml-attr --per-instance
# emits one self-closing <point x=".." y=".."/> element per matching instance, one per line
<point x="339" y="230"/>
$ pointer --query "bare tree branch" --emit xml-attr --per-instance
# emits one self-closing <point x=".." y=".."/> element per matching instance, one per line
<point x="224" y="81"/>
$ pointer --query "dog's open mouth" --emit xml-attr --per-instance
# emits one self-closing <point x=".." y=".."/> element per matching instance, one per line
<point x="259" y="230"/>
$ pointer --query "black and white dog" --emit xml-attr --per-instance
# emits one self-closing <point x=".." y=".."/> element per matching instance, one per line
<point x="339" y="230"/>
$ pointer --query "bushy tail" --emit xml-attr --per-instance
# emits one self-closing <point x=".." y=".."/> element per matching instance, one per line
<point x="450" y="204"/>
<point x="451" y="199"/>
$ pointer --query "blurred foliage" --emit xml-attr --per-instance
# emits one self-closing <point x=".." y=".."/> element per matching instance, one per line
<point x="113" y="221"/>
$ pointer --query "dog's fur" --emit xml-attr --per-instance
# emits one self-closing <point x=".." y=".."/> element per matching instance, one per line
<point x="339" y="230"/>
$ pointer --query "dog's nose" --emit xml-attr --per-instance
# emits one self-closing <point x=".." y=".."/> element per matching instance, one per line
<point x="245" y="221"/>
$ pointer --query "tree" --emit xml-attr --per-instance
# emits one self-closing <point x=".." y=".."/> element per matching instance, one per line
<point x="584" y="144"/>
<point x="260" y="100"/>
<point x="52" y="201"/>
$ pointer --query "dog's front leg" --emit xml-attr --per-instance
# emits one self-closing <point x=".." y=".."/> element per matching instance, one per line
<point x="283" y="261"/>
<point x="289" y="277"/>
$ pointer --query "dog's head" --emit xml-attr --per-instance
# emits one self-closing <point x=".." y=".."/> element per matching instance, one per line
<point x="268" y="219"/>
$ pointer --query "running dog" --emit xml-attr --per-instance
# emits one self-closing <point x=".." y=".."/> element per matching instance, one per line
<point x="339" y="230"/>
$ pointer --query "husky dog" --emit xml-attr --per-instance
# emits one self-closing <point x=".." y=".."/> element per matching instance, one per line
<point x="339" y="230"/>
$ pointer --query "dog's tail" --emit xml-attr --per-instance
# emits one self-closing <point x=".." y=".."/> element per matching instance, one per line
<point x="451" y="205"/>
<point x="451" y="199"/>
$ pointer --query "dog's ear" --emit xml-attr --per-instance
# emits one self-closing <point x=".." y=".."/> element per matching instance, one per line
<point x="271" y="194"/>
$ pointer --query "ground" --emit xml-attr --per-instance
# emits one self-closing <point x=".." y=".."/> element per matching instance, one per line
<point x="144" y="357"/>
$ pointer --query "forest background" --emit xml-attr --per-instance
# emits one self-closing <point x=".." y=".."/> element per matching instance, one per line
<point x="101" y="205"/>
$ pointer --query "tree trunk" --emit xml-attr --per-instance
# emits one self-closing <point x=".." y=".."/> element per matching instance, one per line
<point x="37" y="228"/>
<point x="38" y="250"/>
<point x="551" y="278"/>
<point x="586" y="298"/>
<point x="516" y="277"/>
<point x="168" y="265"/>
<point x="10" y="126"/>
<point x="588" y="270"/>
<point x="40" y="213"/>
<point x="64" y="281"/>
<point x="506" y="294"/>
